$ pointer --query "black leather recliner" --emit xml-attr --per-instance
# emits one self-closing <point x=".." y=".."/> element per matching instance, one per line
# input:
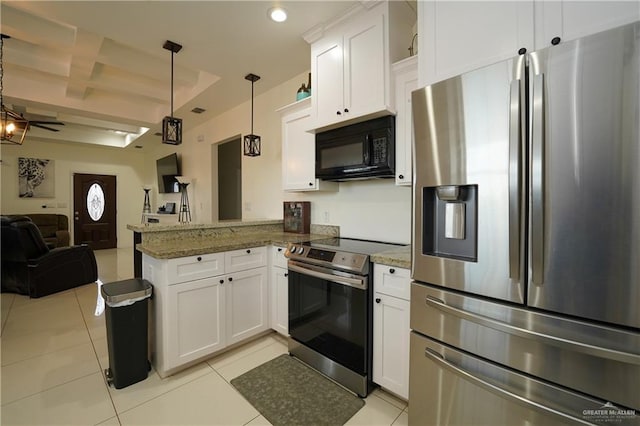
<point x="30" y="267"/>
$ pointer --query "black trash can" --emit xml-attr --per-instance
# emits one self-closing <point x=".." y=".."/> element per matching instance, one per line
<point x="126" y="315"/>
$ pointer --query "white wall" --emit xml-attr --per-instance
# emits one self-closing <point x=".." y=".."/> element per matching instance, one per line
<point x="374" y="209"/>
<point x="70" y="158"/>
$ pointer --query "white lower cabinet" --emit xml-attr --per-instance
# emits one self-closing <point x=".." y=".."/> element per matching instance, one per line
<point x="247" y="304"/>
<point x="279" y="291"/>
<point x="200" y="306"/>
<point x="280" y="300"/>
<point x="391" y="329"/>
<point x="191" y="305"/>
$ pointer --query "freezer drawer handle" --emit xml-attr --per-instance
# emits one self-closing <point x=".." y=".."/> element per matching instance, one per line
<point x="438" y="359"/>
<point x="599" y="352"/>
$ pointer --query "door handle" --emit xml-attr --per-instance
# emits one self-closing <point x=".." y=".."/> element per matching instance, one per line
<point x="497" y="390"/>
<point x="568" y="344"/>
<point x="537" y="181"/>
<point x="514" y="180"/>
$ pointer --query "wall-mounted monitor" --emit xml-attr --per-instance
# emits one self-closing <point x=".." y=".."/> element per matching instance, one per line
<point x="168" y="168"/>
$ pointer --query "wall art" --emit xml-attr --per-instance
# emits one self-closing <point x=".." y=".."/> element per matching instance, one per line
<point x="36" y="178"/>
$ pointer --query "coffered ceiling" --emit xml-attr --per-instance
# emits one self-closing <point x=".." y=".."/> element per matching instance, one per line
<point x="99" y="66"/>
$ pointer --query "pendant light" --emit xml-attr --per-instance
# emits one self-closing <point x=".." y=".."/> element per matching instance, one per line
<point x="252" y="141"/>
<point x="13" y="126"/>
<point x="172" y="126"/>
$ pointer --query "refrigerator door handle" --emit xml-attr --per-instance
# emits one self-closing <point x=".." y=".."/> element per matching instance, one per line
<point x="537" y="181"/>
<point x="597" y="351"/>
<point x="514" y="180"/>
<point x="497" y="390"/>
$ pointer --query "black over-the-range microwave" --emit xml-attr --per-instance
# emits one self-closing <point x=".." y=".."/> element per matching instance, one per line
<point x="358" y="151"/>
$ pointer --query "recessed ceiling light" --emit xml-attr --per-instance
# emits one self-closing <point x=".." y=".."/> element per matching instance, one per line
<point x="277" y="14"/>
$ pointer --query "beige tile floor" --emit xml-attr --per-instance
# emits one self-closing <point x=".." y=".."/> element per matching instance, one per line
<point x="54" y="351"/>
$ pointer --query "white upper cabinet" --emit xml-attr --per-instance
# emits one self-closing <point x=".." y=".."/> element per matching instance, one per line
<point x="350" y="64"/>
<point x="456" y="37"/>
<point x="570" y="20"/>
<point x="299" y="150"/>
<point x="406" y="81"/>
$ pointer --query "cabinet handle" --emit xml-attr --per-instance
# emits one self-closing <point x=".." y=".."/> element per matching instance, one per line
<point x="338" y="112"/>
<point x="230" y="279"/>
<point x="378" y="300"/>
<point x="248" y="251"/>
<point x="199" y="259"/>
<point x="279" y="248"/>
<point x="310" y="183"/>
<point x="221" y="281"/>
<point x="522" y="51"/>
<point x="400" y="176"/>
<point x="555" y="41"/>
<point x="286" y="274"/>
<point x="346" y="110"/>
<point x="391" y="271"/>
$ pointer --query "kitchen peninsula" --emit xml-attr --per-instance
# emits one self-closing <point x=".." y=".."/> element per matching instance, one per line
<point x="211" y="284"/>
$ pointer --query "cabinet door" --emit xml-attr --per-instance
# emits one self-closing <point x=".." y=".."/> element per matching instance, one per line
<point x="327" y="81"/>
<point x="280" y="300"/>
<point x="196" y="319"/>
<point x="246" y="304"/>
<point x="570" y="20"/>
<point x="298" y="152"/>
<point x="240" y="260"/>
<point x="364" y="68"/>
<point x="406" y="81"/>
<point x="455" y="37"/>
<point x="391" y="344"/>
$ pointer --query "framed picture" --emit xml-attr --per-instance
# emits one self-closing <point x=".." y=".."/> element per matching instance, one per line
<point x="36" y="178"/>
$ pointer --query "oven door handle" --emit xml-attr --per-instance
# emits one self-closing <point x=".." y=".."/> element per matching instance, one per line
<point x="317" y="272"/>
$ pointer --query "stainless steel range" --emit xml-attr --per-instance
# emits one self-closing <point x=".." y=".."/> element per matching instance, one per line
<point x="330" y="308"/>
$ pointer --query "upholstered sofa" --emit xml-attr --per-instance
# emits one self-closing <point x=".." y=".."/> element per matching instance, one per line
<point x="31" y="267"/>
<point x="53" y="227"/>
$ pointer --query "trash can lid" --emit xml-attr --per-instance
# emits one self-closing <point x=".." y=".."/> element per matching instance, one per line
<point x="131" y="289"/>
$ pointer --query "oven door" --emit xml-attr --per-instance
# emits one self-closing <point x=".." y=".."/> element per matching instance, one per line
<point x="328" y="312"/>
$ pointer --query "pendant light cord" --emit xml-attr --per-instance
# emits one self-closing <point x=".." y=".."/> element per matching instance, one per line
<point x="252" y="107"/>
<point x="172" y="84"/>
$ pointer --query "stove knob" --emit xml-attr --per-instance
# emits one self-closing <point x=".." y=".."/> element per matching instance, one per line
<point x="294" y="249"/>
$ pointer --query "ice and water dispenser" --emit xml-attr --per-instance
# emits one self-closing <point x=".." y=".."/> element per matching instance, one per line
<point x="450" y="221"/>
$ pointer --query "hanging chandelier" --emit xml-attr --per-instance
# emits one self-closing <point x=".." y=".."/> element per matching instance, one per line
<point x="172" y="126"/>
<point x="252" y="141"/>
<point x="13" y="126"/>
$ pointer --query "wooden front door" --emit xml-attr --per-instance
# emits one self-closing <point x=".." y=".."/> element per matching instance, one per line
<point x="94" y="206"/>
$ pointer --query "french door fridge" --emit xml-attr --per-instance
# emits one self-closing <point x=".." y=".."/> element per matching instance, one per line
<point x="525" y="305"/>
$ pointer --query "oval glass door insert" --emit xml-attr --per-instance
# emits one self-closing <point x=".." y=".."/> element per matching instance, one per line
<point x="95" y="202"/>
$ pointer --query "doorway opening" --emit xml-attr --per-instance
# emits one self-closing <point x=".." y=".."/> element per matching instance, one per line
<point x="230" y="179"/>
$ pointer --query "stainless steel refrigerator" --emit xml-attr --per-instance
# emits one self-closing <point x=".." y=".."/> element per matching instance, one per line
<point x="525" y="305"/>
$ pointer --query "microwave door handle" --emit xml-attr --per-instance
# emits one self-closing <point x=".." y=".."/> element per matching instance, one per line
<point x="366" y="154"/>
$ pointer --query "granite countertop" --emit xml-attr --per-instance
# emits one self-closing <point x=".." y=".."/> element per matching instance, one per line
<point x="399" y="257"/>
<point x="162" y="227"/>
<point x="180" y="248"/>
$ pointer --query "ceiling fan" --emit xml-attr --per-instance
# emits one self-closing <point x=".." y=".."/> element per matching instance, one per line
<point x="35" y="120"/>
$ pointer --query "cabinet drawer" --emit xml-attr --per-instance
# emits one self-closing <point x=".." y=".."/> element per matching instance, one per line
<point x="392" y="281"/>
<point x="240" y="260"/>
<point x="189" y="268"/>
<point x="277" y="257"/>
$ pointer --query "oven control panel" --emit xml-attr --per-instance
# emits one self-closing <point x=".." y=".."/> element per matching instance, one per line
<point x="335" y="259"/>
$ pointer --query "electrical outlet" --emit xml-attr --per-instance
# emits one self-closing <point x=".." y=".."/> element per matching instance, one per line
<point x="326" y="217"/>
<point x="247" y="206"/>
